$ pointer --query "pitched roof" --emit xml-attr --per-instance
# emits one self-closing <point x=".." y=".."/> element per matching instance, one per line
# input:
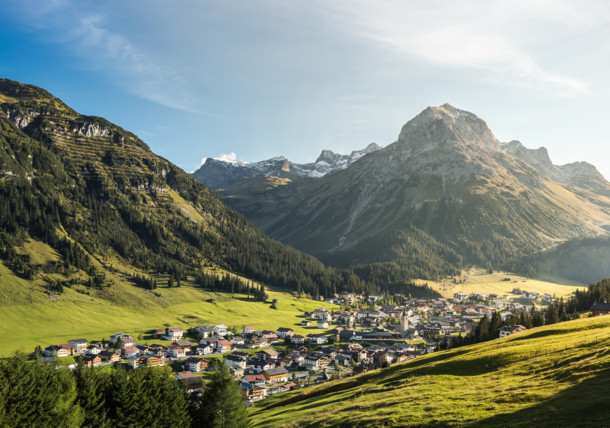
<point x="600" y="307"/>
<point x="276" y="371"/>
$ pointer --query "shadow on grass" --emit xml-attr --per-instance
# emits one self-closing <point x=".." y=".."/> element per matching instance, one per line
<point x="582" y="405"/>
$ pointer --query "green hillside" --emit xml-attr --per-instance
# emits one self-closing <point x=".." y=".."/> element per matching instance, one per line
<point x="551" y="376"/>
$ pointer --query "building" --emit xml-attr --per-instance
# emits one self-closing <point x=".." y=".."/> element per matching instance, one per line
<point x="80" y="345"/>
<point x="278" y="374"/>
<point x="176" y="351"/>
<point x="196" y="365"/>
<point x="600" y="309"/>
<point x="512" y="329"/>
<point x="173" y="333"/>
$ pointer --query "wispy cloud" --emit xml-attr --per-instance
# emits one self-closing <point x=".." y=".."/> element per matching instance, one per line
<point x="496" y="37"/>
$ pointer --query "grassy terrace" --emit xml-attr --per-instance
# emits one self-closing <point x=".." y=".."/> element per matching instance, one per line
<point x="550" y="376"/>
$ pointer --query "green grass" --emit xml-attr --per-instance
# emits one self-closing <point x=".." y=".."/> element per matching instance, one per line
<point x="550" y="376"/>
<point x="45" y="322"/>
<point x="479" y="281"/>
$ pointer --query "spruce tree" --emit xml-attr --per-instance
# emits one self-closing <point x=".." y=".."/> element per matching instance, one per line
<point x="221" y="404"/>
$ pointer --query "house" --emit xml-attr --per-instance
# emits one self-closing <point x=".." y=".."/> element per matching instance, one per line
<point x="257" y="342"/>
<point x="254" y="380"/>
<point x="175" y="351"/>
<point x="58" y="351"/>
<point x="306" y="323"/>
<point x="189" y="381"/>
<point x="92" y="360"/>
<point x="383" y="357"/>
<point x="236" y="361"/>
<point x="158" y="332"/>
<point x="221" y="330"/>
<point x="157" y="350"/>
<point x="317" y="339"/>
<point x="80" y="345"/>
<point x="110" y="356"/>
<point x="284" y="332"/>
<point x="128" y="342"/>
<point x="256" y="393"/>
<point x="238" y="341"/>
<point x="322" y="315"/>
<point x="266" y="354"/>
<point x="133" y="361"/>
<point x="129" y="351"/>
<point x="297" y="339"/>
<point x="461" y="296"/>
<point x="316" y="361"/>
<point x="196" y="365"/>
<point x="204" y="331"/>
<point x="513" y="329"/>
<point x="223" y="346"/>
<point x="204" y="349"/>
<point x="119" y="337"/>
<point x="173" y="333"/>
<point x="261" y="365"/>
<point x="93" y="350"/>
<point x="343" y="360"/>
<point x="248" y="330"/>
<point x="600" y="309"/>
<point x="278" y="374"/>
<point x="153" y="361"/>
<point x="184" y="344"/>
<point x="322" y="324"/>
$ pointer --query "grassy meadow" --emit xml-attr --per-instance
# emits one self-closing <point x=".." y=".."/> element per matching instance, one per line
<point x="43" y="321"/>
<point x="476" y="280"/>
<point x="556" y="375"/>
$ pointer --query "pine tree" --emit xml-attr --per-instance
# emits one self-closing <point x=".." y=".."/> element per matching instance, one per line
<point x="221" y="404"/>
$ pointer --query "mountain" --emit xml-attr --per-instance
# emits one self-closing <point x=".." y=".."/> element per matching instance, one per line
<point x="546" y="377"/>
<point x="86" y="204"/>
<point x="218" y="173"/>
<point x="447" y="189"/>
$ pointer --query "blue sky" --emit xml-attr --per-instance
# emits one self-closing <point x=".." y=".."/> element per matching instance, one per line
<point x="196" y="78"/>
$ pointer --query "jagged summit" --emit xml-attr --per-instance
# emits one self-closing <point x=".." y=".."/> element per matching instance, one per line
<point x="446" y="126"/>
<point x="219" y="173"/>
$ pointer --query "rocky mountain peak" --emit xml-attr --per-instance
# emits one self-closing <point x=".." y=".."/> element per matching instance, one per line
<point x="446" y="126"/>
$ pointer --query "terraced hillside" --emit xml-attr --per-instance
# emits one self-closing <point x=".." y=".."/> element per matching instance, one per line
<point x="106" y="209"/>
<point x="551" y="376"/>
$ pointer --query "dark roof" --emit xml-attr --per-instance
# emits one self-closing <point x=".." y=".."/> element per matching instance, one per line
<point x="600" y="307"/>
<point x="277" y="371"/>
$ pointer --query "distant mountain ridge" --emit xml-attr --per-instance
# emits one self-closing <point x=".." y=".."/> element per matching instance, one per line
<point x="218" y="173"/>
<point x="446" y="186"/>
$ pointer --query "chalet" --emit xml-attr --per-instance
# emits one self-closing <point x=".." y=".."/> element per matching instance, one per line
<point x="184" y="344"/>
<point x="322" y="315"/>
<point x="175" y="351"/>
<point x="133" y="361"/>
<point x="316" y="361"/>
<point x="317" y="339"/>
<point x="269" y="335"/>
<point x="196" y="365"/>
<point x="204" y="331"/>
<point x="223" y="346"/>
<point x="248" y="330"/>
<point x="600" y="309"/>
<point x="127" y="342"/>
<point x="256" y="393"/>
<point x="461" y="296"/>
<point x="254" y="380"/>
<point x="157" y="350"/>
<point x="93" y="350"/>
<point x="238" y="341"/>
<point x="153" y="361"/>
<point x="284" y="332"/>
<point x="343" y="360"/>
<point x="297" y="339"/>
<point x="266" y="354"/>
<point x="110" y="356"/>
<point x="221" y="330"/>
<point x="129" y="351"/>
<point x="158" y="332"/>
<point x="173" y="333"/>
<point x="257" y="342"/>
<point x="119" y="337"/>
<point x="383" y="357"/>
<point x="349" y="298"/>
<point x="80" y="345"/>
<point x="306" y="323"/>
<point x="322" y="324"/>
<point x="189" y="381"/>
<point x="278" y="374"/>
<point x="261" y="365"/>
<point x="58" y="351"/>
<point x="509" y="330"/>
<point x="204" y="349"/>
<point x="236" y="361"/>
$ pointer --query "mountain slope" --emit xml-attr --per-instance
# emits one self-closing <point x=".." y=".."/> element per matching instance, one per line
<point x="548" y="376"/>
<point x="109" y="208"/>
<point x="221" y="173"/>
<point x="446" y="177"/>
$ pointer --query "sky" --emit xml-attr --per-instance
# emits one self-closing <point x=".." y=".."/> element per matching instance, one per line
<point x="256" y="79"/>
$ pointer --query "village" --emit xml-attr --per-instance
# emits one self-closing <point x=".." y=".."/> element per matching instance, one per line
<point x="363" y="334"/>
